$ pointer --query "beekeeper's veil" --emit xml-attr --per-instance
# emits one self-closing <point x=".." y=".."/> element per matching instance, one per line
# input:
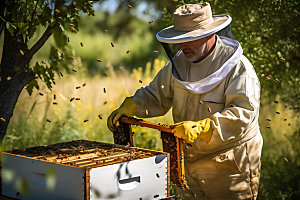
<point x="192" y="22"/>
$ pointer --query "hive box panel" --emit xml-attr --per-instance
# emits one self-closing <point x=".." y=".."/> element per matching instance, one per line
<point x="87" y="175"/>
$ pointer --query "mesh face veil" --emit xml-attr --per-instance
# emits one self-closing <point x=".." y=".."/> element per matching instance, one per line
<point x="173" y="49"/>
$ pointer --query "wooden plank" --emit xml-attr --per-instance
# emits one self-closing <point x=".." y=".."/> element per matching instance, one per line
<point x="143" y="123"/>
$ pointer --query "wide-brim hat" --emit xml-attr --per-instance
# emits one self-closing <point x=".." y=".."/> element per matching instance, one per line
<point x="192" y="22"/>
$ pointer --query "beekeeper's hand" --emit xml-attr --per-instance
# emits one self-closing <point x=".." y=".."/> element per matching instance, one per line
<point x="127" y="108"/>
<point x="190" y="130"/>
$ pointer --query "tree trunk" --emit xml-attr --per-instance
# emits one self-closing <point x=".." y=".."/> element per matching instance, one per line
<point x="14" y="74"/>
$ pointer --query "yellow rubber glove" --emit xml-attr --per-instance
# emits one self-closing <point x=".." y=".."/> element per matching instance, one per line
<point x="127" y="108"/>
<point x="190" y="130"/>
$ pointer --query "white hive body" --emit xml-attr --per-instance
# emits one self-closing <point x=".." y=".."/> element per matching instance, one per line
<point x="93" y="172"/>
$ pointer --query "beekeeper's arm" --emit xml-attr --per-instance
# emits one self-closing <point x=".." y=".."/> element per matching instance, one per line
<point x="149" y="101"/>
<point x="236" y="120"/>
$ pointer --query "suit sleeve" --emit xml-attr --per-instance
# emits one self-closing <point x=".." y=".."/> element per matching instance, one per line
<point x="156" y="98"/>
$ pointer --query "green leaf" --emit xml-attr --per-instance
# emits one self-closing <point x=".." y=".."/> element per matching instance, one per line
<point x="31" y="85"/>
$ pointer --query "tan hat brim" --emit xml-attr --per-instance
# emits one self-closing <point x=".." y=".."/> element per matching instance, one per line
<point x="170" y="35"/>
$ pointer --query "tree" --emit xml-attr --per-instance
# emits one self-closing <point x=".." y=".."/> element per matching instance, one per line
<point x="20" y="20"/>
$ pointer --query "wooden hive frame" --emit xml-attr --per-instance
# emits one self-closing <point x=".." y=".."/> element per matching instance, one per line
<point x="171" y="144"/>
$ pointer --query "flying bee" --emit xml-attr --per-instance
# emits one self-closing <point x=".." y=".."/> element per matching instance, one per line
<point x="262" y="66"/>
<point x="61" y="74"/>
<point x="112" y="44"/>
<point x="105" y="30"/>
<point x="81" y="44"/>
<point x="268" y="120"/>
<point x="129" y="6"/>
<point x="68" y="39"/>
<point x="74" y="70"/>
<point x="194" y="126"/>
<point x="41" y="94"/>
<point x="76" y="9"/>
<point x="285" y="159"/>
<point x="54" y="96"/>
<point x="104" y="90"/>
<point x="155" y="51"/>
<point x="277" y="80"/>
<point x="162" y="86"/>
<point x="73" y="29"/>
<point x="99" y="60"/>
<point x="21" y="52"/>
<point x="48" y="120"/>
<point x="268" y="127"/>
<point x="268" y="78"/>
<point x="43" y="62"/>
<point x="277" y="112"/>
<point x="8" y="78"/>
<point x="85" y="120"/>
<point x="77" y="99"/>
<point x="209" y="109"/>
<point x="77" y="87"/>
<point x="128" y="51"/>
<point x="2" y="119"/>
<point x="83" y="84"/>
<point x="71" y="57"/>
<point x="150" y="22"/>
<point x="72" y="99"/>
<point x="282" y="59"/>
<point x="201" y="102"/>
<point x="146" y="111"/>
<point x="276" y="101"/>
<point x="57" y="11"/>
<point x="99" y="116"/>
<point x="140" y="81"/>
<point x="105" y="102"/>
<point x="54" y="103"/>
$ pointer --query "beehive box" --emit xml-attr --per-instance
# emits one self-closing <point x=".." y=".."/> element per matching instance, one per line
<point x="85" y="170"/>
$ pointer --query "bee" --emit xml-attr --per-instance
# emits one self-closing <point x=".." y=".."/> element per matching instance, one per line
<point x="201" y="102"/>
<point x="250" y="37"/>
<point x="73" y="29"/>
<point x="262" y="75"/>
<point x="43" y="62"/>
<point x="71" y="57"/>
<point x="68" y="39"/>
<point x="105" y="30"/>
<point x="268" y="78"/>
<point x="150" y="22"/>
<point x="129" y="6"/>
<point x="128" y="51"/>
<point x="104" y="90"/>
<point x="155" y="51"/>
<point x="21" y="52"/>
<point x="262" y="66"/>
<point x="105" y="102"/>
<point x="99" y="60"/>
<point x="277" y="80"/>
<point x="194" y="126"/>
<point x="157" y="175"/>
<point x="276" y="101"/>
<point x="83" y="84"/>
<point x="85" y="120"/>
<point x="2" y="119"/>
<point x="203" y="181"/>
<point x="146" y="111"/>
<point x="285" y="159"/>
<point x="282" y="59"/>
<point x="155" y="196"/>
<point x="41" y="94"/>
<point x="112" y="44"/>
<point x="268" y="127"/>
<point x="71" y="25"/>
<point x="81" y="44"/>
<point x="284" y="119"/>
<point x="61" y="74"/>
<point x="72" y="99"/>
<point x="48" y="120"/>
<point x="162" y="86"/>
<point x="76" y="9"/>
<point x="54" y="103"/>
<point x="77" y="99"/>
<point x="209" y="109"/>
<point x="268" y="120"/>
<point x="64" y="123"/>
<point x="57" y="11"/>
<point x="289" y="124"/>
<point x="74" y="70"/>
<point x="8" y="78"/>
<point x="277" y="112"/>
<point x="140" y="81"/>
<point x="99" y="116"/>
<point x="62" y="54"/>
<point x="77" y="87"/>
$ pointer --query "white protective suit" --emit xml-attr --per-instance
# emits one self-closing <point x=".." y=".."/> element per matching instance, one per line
<point x="225" y="88"/>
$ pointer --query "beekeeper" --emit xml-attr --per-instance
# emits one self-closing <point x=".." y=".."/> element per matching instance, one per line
<point x="214" y="94"/>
